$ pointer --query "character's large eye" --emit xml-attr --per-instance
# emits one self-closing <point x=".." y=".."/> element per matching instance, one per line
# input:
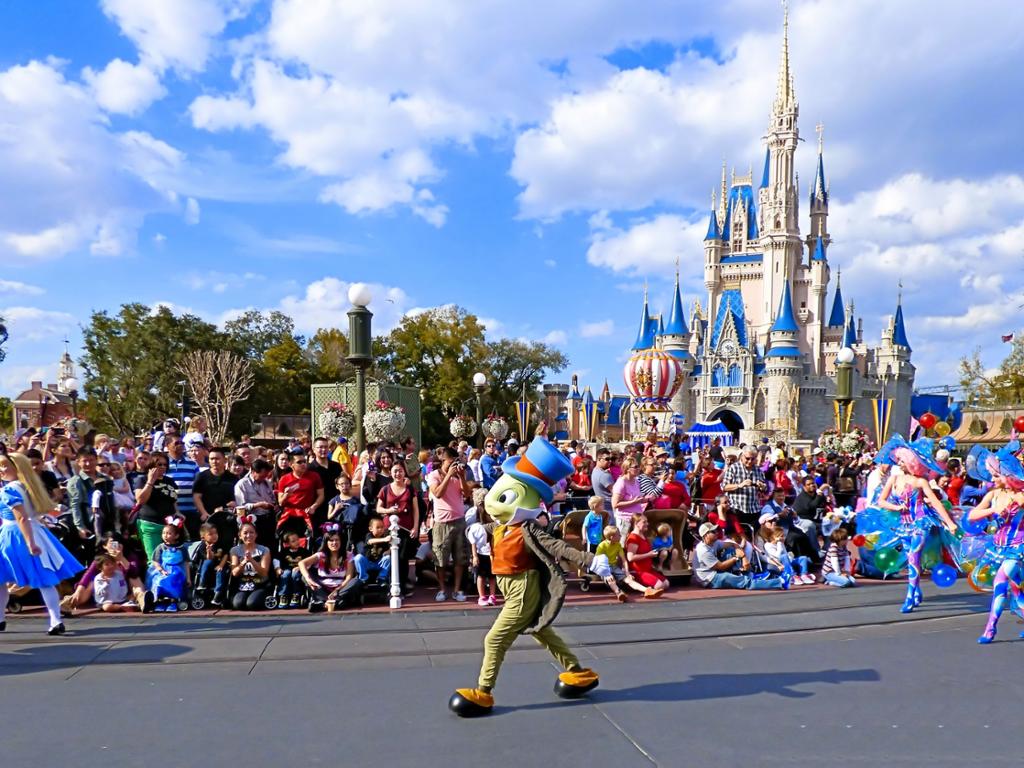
<point x="508" y="496"/>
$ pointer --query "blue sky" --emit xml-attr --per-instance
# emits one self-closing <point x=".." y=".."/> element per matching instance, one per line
<point x="533" y="164"/>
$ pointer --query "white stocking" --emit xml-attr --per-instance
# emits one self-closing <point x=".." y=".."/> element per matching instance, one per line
<point x="52" y="601"/>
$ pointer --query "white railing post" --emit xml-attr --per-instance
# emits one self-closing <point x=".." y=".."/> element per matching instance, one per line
<point x="396" y="564"/>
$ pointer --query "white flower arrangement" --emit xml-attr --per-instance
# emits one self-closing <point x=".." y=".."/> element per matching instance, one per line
<point x="337" y="420"/>
<point x="383" y="421"/>
<point x="495" y="427"/>
<point x="462" y="426"/>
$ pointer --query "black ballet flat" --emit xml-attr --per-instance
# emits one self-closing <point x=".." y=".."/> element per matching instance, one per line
<point x="57" y="629"/>
<point x="3" y="626"/>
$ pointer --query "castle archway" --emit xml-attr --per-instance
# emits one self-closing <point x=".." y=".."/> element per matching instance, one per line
<point x="732" y="420"/>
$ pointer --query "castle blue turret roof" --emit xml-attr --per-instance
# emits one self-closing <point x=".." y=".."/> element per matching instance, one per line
<point x="741" y="195"/>
<point x="837" y="317"/>
<point x="713" y="233"/>
<point x="899" y="331"/>
<point x="819" y="189"/>
<point x="676" y="320"/>
<point x="819" y="250"/>
<point x="850" y="334"/>
<point x="785" y="320"/>
<point x="645" y="335"/>
<point x="730" y="303"/>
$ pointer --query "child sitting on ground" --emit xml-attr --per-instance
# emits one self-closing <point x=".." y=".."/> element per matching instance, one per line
<point x="289" y="591"/>
<point x="110" y="587"/>
<point x="779" y="560"/>
<point x="169" y="578"/>
<point x="210" y="560"/>
<point x="836" y="569"/>
<point x="375" y="559"/>
<point x="664" y="545"/>
<point x="480" y="548"/>
<point x="610" y="564"/>
<point x="594" y="523"/>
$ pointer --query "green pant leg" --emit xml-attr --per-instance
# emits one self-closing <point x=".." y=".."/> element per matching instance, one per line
<point x="150" y="534"/>
<point x="522" y="599"/>
<point x="556" y="647"/>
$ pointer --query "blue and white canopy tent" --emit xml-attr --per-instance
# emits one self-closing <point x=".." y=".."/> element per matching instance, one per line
<point x="703" y="432"/>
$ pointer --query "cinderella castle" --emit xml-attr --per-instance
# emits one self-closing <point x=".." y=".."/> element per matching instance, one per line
<point x="761" y="354"/>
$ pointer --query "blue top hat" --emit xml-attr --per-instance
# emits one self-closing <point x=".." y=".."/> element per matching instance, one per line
<point x="923" y="448"/>
<point x="541" y="467"/>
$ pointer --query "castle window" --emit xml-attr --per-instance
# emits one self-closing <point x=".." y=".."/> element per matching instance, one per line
<point x="735" y="376"/>
<point x="718" y="376"/>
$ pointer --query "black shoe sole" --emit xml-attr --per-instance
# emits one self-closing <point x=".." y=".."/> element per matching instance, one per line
<point x="566" y="691"/>
<point x="463" y="707"/>
<point x="57" y="630"/>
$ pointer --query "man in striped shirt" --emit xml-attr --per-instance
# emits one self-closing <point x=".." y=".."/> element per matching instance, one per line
<point x="182" y="472"/>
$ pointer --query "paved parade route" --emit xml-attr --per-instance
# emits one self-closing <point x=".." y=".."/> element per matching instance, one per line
<point x="836" y="675"/>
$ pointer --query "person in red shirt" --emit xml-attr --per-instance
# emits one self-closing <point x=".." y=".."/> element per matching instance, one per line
<point x="711" y="482"/>
<point x="300" y="491"/>
<point x="956" y="481"/>
<point x="725" y="518"/>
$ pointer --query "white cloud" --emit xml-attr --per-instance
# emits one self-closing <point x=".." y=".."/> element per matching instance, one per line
<point x="556" y="338"/>
<point x="493" y="327"/>
<point x="649" y="246"/>
<point x="324" y="304"/>
<point x="550" y="263"/>
<point x="191" y="211"/>
<point x="67" y="180"/>
<point x="124" y="88"/>
<point x="24" y="289"/>
<point x="176" y="34"/>
<point x="643" y="136"/>
<point x="33" y="323"/>
<point x="600" y="328"/>
<point x="354" y="114"/>
<point x="14" y="379"/>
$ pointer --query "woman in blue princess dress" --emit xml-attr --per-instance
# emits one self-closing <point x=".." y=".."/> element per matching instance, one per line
<point x="30" y="556"/>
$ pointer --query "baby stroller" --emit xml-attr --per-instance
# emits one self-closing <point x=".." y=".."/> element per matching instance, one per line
<point x="298" y="523"/>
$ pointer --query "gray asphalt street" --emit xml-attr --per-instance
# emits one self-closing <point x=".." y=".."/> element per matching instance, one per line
<point x="812" y="678"/>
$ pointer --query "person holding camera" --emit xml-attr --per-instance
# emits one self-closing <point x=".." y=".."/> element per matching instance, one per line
<point x="448" y="491"/>
<point x="745" y="483"/>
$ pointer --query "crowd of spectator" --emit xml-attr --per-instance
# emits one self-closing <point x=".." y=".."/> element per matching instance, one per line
<point x="169" y="520"/>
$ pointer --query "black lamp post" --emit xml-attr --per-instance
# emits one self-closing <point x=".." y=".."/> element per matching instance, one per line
<point x="480" y="385"/>
<point x="360" y="351"/>
<point x="844" y="386"/>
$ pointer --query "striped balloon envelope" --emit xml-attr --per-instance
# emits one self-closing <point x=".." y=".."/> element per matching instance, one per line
<point x="652" y="377"/>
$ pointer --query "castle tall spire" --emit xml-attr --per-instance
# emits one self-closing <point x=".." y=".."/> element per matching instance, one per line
<point x="645" y="334"/>
<point x="784" y="92"/>
<point x="899" y="330"/>
<point x="836" y="317"/>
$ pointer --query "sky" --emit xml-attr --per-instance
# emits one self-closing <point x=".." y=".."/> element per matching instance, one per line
<point x="533" y="162"/>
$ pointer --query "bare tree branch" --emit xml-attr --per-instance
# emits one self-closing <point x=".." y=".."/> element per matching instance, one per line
<point x="217" y="382"/>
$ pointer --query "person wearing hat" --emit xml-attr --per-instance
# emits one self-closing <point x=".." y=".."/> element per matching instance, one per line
<point x="1004" y="549"/>
<point x="721" y="564"/>
<point x="524" y="558"/>
<point x="919" y="510"/>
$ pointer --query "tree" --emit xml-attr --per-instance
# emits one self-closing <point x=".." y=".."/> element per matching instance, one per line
<point x="1004" y="386"/>
<point x="327" y="352"/>
<point x="253" y="332"/>
<point x="6" y="414"/>
<point x="218" y="380"/>
<point x="130" y="365"/>
<point x="510" y="365"/>
<point x="284" y="378"/>
<point x="436" y="351"/>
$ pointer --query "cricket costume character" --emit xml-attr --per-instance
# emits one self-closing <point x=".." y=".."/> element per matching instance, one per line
<point x="525" y="560"/>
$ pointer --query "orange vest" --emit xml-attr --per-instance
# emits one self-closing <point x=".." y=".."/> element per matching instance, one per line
<point x="509" y="553"/>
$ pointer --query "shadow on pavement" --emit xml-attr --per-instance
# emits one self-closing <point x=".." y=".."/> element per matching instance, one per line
<point x="722" y="686"/>
<point x="25" y="661"/>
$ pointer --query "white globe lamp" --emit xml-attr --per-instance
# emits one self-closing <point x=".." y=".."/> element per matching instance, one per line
<point x="845" y="356"/>
<point x="359" y="294"/>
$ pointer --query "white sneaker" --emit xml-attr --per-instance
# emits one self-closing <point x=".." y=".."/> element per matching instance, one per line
<point x="808" y="579"/>
<point x="460" y="597"/>
<point x="440" y="597"/>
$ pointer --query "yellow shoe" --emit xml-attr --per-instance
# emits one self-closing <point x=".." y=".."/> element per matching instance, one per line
<point x="471" y="702"/>
<point x="575" y="683"/>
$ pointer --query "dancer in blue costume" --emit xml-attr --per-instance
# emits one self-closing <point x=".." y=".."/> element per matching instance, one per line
<point x="30" y="556"/>
<point x="907" y="512"/>
<point x="1001" y="550"/>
